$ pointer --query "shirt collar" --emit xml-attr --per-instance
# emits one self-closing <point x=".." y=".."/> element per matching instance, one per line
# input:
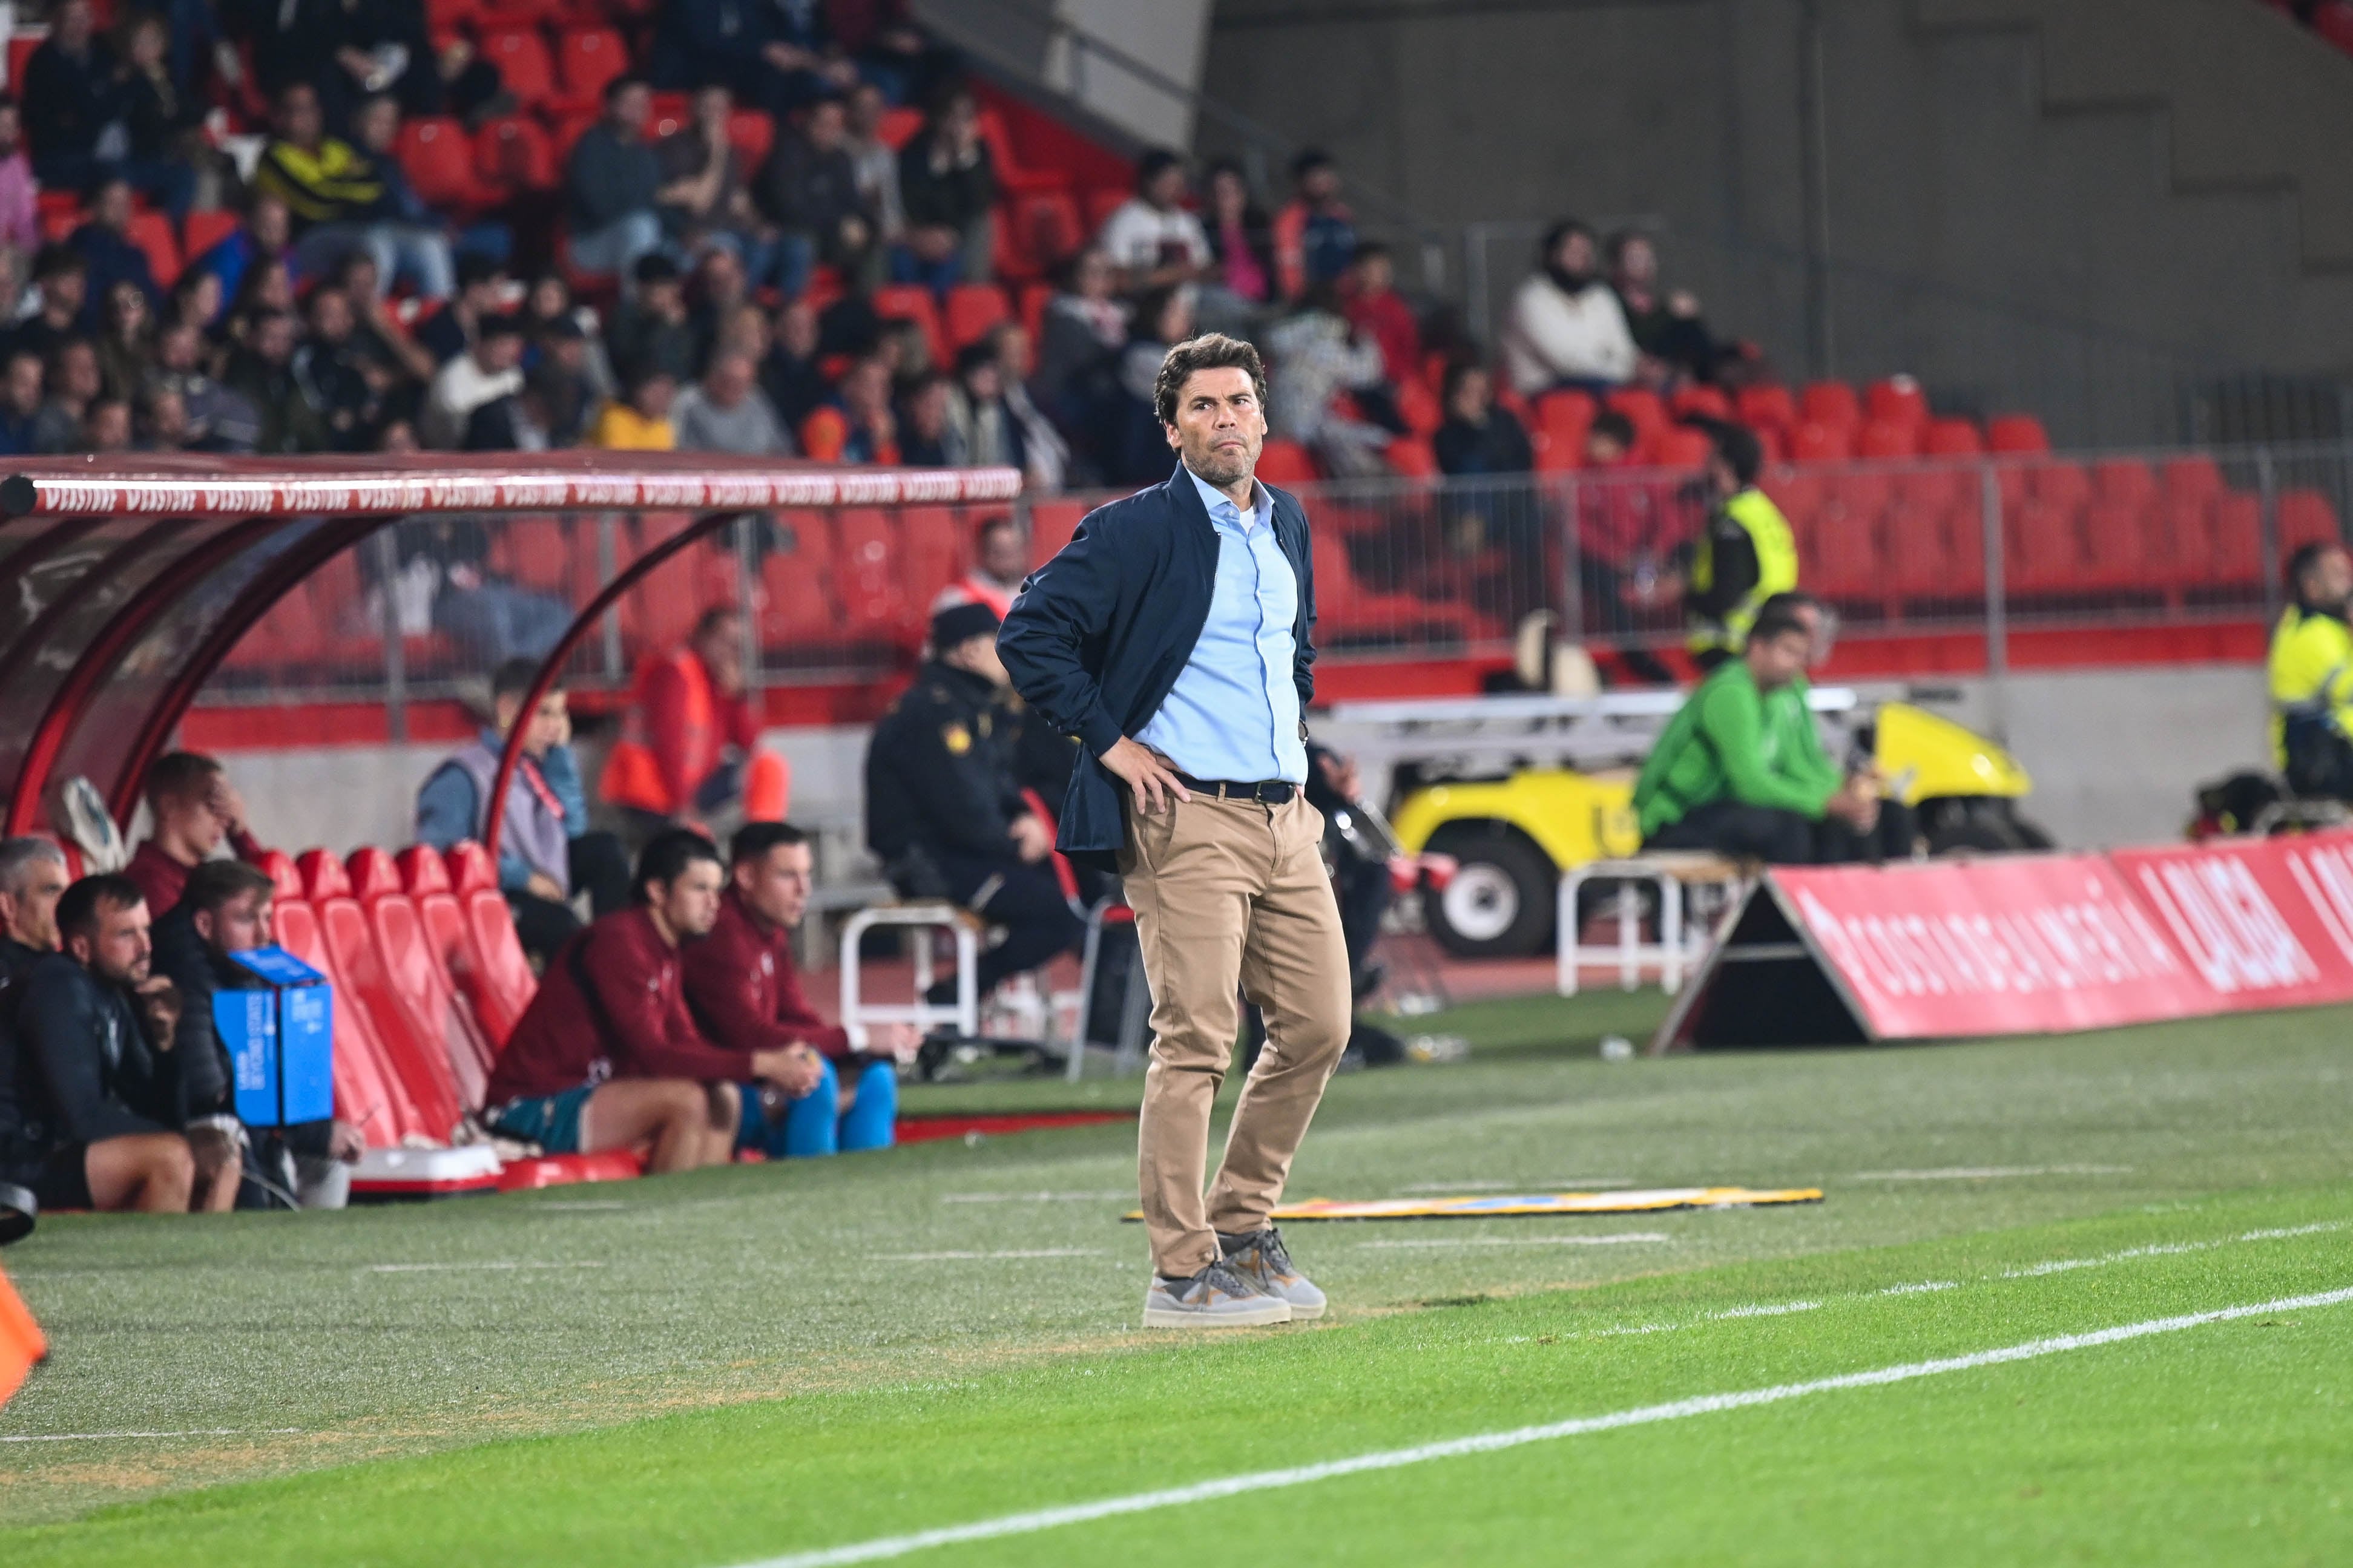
<point x="1262" y="503"/>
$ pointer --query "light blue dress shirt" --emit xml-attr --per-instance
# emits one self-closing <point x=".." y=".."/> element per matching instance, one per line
<point x="1233" y="713"/>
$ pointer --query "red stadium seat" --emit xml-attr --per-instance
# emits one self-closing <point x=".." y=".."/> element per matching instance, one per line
<point x="1832" y="403"/>
<point x="1046" y="230"/>
<point x="1680" y="447"/>
<point x="1936" y="489"/>
<point x="1841" y="550"/>
<point x="1797" y="492"/>
<point x="2192" y="478"/>
<point x="2016" y="433"/>
<point x="411" y="1042"/>
<point x="1897" y="400"/>
<point x="1951" y="438"/>
<point x="2066" y="486"/>
<point x="513" y="154"/>
<point x="1412" y="458"/>
<point x="1767" y="409"/>
<point x="439" y="162"/>
<point x="973" y="308"/>
<point x="1287" y="463"/>
<point x="2116" y="546"/>
<point x="206" y="229"/>
<point x="2305" y="517"/>
<point x="751" y="133"/>
<point x="1814" y="442"/>
<point x="2123" y="483"/>
<point x="368" y="1094"/>
<point x="1051" y="523"/>
<point x="2182" y="543"/>
<point x="1644" y="408"/>
<point x="865" y="574"/>
<point x="795" y="608"/>
<point x="2043" y="549"/>
<point x="1418" y="407"/>
<point x="497" y="978"/>
<point x="524" y="62"/>
<point x="935" y="547"/>
<point x="1566" y="416"/>
<point x="151" y="232"/>
<point x="1700" y="403"/>
<point x="587" y="59"/>
<point x="1883" y="438"/>
<point x="912" y="303"/>
<point x="418" y="962"/>
<point x="899" y="126"/>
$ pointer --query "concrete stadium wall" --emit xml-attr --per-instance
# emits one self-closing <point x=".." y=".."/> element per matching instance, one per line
<point x="2114" y="755"/>
<point x="2126" y="185"/>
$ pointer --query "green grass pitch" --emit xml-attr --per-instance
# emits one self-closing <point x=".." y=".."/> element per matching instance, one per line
<point x="758" y="1364"/>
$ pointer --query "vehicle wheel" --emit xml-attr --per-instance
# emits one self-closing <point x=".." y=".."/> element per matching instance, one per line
<point x="1500" y="903"/>
<point x="1983" y="828"/>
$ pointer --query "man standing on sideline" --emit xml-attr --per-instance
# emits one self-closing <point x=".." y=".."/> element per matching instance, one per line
<point x="1172" y="636"/>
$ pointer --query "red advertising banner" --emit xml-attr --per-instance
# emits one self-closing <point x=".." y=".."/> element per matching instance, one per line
<point x="2027" y="944"/>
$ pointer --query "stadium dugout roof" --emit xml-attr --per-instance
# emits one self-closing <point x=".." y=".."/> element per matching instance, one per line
<point x="129" y="579"/>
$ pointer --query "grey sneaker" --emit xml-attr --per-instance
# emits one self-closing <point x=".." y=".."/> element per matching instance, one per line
<point x="1216" y="1298"/>
<point x="1261" y="1258"/>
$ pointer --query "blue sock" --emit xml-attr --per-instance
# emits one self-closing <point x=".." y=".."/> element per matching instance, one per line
<point x="808" y="1129"/>
<point x="873" y="1120"/>
<point x="752" y="1127"/>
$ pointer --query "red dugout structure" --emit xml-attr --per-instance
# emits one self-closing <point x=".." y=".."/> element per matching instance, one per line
<point x="131" y="579"/>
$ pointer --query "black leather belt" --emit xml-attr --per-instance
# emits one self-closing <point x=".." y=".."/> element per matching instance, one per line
<point x="1266" y="791"/>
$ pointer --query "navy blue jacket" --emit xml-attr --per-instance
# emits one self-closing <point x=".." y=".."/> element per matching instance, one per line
<point x="1098" y="634"/>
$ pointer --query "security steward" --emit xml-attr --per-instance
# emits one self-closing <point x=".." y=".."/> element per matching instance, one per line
<point x="2311" y="674"/>
<point x="943" y="808"/>
<point x="1743" y="556"/>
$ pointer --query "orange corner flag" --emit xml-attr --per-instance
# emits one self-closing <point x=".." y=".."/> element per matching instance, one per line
<point x="21" y="1344"/>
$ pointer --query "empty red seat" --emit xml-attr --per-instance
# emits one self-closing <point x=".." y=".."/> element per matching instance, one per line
<point x="439" y="162"/>
<point x="1412" y="458"/>
<point x="2124" y="482"/>
<point x="1832" y="403"/>
<point x="411" y="1047"/>
<point x="416" y="960"/>
<point x="751" y="133"/>
<point x="1418" y="407"/>
<point x="368" y="1094"/>
<point x="1767" y="407"/>
<point x="1051" y="523"/>
<point x="1645" y="409"/>
<point x="497" y="978"/>
<point x="1815" y="442"/>
<point x="2043" y="549"/>
<point x="587" y="59"/>
<point x="866" y="575"/>
<point x="1898" y="400"/>
<point x="912" y="303"/>
<point x="524" y="62"/>
<point x="1700" y="403"/>
<point x="1936" y="489"/>
<point x="205" y="229"/>
<point x="1567" y="416"/>
<point x="2062" y="485"/>
<point x="1680" y="447"/>
<point x="1287" y="463"/>
<point x="1951" y="438"/>
<point x="1840" y="550"/>
<point x="2116" y="545"/>
<point x="1797" y="492"/>
<point x="2305" y="517"/>
<point x="2016" y="433"/>
<point x="972" y="310"/>
<point x="151" y="232"/>
<point x="513" y="154"/>
<point x="2194" y="477"/>
<point x="2238" y="558"/>
<point x="1882" y="439"/>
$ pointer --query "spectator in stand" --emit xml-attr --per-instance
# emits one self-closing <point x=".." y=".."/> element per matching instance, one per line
<point x="20" y="404"/>
<point x="98" y="1026"/>
<point x="1116" y="419"/>
<point x="226" y="910"/>
<point x="342" y="386"/>
<point x="378" y="339"/>
<point x="652" y="331"/>
<point x="746" y="994"/>
<point x="74" y="382"/>
<point x="491" y="369"/>
<point x="1316" y="357"/>
<point x="727" y="412"/>
<point x="407" y="240"/>
<point x="1565" y="329"/>
<point x="1744" y="555"/>
<point x="194" y="810"/>
<point x="340" y="201"/>
<point x="1739" y="770"/>
<point x="106" y="427"/>
<point x="944" y="813"/>
<point x="1314" y="234"/>
<point x="809" y="191"/>
<point x="690" y="750"/>
<point x="268" y="291"/>
<point x="548" y="855"/>
<point x="789" y="374"/>
<point x="1045" y="456"/>
<point x="859" y="426"/>
<point x="948" y="183"/>
<point x="564" y="383"/>
<point x="611" y="185"/>
<point x="640" y="422"/>
<point x="703" y="197"/>
<point x="74" y="115"/>
<point x="1000" y="561"/>
<point x="720" y="293"/>
<point x="265" y="235"/>
<point x="924" y="431"/>
<point x="775" y="54"/>
<point x="1617" y="562"/>
<point x="1150" y="237"/>
<point x="1241" y="242"/>
<point x="449" y="331"/>
<point x="1666" y="325"/>
<point x="162" y="420"/>
<point x="981" y="430"/>
<point x="220" y="419"/>
<point x="61" y="279"/>
<point x="20" y="228"/>
<point x="105" y="242"/>
<point x="1479" y="438"/>
<point x="1085" y="327"/>
<point x="553" y="321"/>
<point x="608" y="1056"/>
<point x="1377" y="311"/>
<point x="126" y="347"/>
<point x="160" y="120"/>
<point x="515" y="423"/>
<point x="195" y="298"/>
<point x="261" y="371"/>
<point x="875" y="162"/>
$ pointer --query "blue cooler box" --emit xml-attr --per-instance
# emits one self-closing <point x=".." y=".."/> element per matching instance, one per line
<point x="281" y="1040"/>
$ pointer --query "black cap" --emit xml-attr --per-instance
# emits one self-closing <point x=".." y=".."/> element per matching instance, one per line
<point x="476" y="267"/>
<point x="962" y="622"/>
<point x="503" y="324"/>
<point x="655" y="267"/>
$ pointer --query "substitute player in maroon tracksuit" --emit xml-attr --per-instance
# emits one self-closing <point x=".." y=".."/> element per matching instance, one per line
<point x="608" y="1056"/>
<point x="746" y="994"/>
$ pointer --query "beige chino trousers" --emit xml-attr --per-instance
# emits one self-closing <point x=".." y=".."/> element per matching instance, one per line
<point x="1231" y="896"/>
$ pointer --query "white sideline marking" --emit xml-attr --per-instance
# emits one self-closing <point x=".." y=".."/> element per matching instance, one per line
<point x="470" y="1267"/>
<point x="1033" y="1197"/>
<point x="1526" y="1240"/>
<point x="2167" y="1248"/>
<point x="1987" y="1172"/>
<point x="1923" y="1285"/>
<point x="974" y="1256"/>
<point x="1493" y="1442"/>
<point x="110" y="1437"/>
<point x="1771" y="1310"/>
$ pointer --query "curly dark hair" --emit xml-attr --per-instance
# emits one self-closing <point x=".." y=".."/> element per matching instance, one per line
<point x="1210" y="350"/>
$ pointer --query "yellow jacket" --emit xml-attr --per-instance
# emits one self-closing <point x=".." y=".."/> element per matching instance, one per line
<point x="1744" y="556"/>
<point x="336" y="184"/>
<point x="2311" y="673"/>
<point x="621" y="428"/>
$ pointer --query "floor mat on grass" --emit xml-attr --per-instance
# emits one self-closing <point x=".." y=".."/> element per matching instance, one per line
<point x="1505" y="1207"/>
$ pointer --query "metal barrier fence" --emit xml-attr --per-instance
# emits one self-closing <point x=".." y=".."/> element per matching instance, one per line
<point x="1405" y="569"/>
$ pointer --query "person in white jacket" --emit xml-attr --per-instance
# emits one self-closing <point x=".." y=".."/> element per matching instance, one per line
<point x="1566" y="328"/>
